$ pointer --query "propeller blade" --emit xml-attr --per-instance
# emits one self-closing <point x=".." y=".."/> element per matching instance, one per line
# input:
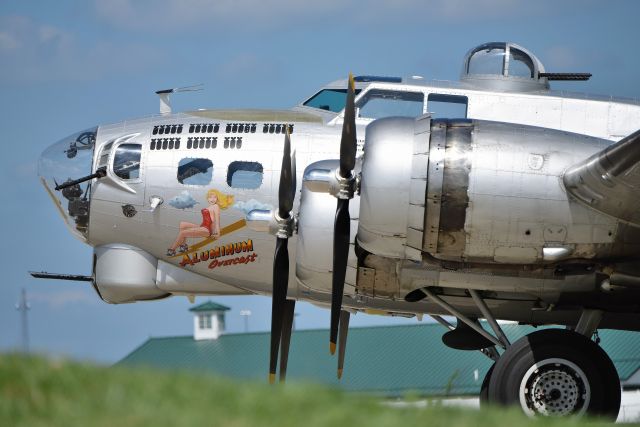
<point x="342" y="225"/>
<point x="348" y="143"/>
<point x="278" y="301"/>
<point x="342" y="340"/>
<point x="341" y="234"/>
<point x="293" y="171"/>
<point x="285" y="340"/>
<point x="286" y="191"/>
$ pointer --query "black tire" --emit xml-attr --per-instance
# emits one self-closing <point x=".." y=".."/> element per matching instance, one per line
<point x="484" y="388"/>
<point x="575" y="373"/>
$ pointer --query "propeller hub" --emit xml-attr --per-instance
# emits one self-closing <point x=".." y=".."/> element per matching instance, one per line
<point x="285" y="226"/>
<point x="346" y="187"/>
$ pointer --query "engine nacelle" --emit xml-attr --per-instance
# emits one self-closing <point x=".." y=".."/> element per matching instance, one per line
<point x="124" y="273"/>
<point x="475" y="191"/>
<point x="314" y="256"/>
<point x="394" y="177"/>
<point x="459" y="204"/>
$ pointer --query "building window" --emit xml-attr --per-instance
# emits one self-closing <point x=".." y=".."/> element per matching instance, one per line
<point x="246" y="175"/>
<point x="195" y="171"/>
<point x="204" y="321"/>
<point x="126" y="162"/>
<point x="221" y="322"/>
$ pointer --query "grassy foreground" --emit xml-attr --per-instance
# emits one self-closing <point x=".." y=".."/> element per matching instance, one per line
<point x="41" y="392"/>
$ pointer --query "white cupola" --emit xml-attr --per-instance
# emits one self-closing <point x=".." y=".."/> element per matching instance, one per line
<point x="208" y="320"/>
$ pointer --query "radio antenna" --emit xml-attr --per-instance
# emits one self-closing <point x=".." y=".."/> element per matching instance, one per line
<point x="23" y="307"/>
<point x="165" y="103"/>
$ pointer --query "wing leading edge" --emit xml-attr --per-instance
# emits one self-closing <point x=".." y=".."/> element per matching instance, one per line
<point x="609" y="181"/>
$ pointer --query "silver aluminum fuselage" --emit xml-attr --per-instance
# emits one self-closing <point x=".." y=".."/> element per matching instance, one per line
<point x="505" y="195"/>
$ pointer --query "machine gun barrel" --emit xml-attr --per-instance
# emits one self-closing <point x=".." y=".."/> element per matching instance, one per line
<point x="102" y="172"/>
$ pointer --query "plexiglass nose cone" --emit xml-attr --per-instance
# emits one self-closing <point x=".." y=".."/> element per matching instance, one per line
<point x="67" y="160"/>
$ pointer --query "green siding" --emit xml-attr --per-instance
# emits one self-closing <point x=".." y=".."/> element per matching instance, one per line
<point x="390" y="361"/>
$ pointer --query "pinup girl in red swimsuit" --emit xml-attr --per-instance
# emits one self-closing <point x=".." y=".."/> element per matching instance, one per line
<point x="210" y="225"/>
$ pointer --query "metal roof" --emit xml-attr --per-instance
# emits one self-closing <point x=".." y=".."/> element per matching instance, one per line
<point x="209" y="306"/>
<point x="390" y="361"/>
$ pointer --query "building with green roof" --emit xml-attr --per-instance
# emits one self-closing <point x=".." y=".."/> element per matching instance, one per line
<point x="389" y="361"/>
<point x="208" y="320"/>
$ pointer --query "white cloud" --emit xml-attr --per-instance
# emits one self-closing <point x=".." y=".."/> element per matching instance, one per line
<point x="32" y="51"/>
<point x="183" y="201"/>
<point x="256" y="15"/>
<point x="8" y="41"/>
<point x="250" y="205"/>
<point x="165" y="15"/>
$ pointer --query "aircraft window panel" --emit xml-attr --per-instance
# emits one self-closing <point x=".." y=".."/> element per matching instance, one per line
<point x="378" y="103"/>
<point x="329" y="100"/>
<point x="487" y="61"/>
<point x="195" y="171"/>
<point x="245" y="175"/>
<point x="445" y="106"/>
<point x="126" y="161"/>
<point x="520" y="64"/>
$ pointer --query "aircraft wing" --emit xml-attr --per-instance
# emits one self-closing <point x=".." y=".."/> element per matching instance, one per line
<point x="609" y="181"/>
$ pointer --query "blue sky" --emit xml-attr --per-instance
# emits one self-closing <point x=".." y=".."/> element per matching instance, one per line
<point x="66" y="66"/>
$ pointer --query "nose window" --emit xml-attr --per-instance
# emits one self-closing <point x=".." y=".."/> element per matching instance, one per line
<point x="126" y="162"/>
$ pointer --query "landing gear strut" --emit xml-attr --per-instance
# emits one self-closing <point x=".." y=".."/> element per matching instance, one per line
<point x="555" y="372"/>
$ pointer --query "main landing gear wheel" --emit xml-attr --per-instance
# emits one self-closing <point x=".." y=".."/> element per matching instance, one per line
<point x="484" y="389"/>
<point x="556" y="372"/>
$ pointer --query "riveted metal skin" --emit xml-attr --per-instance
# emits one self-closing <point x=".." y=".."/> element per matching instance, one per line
<point x="609" y="181"/>
<point x="499" y="204"/>
<point x="452" y="235"/>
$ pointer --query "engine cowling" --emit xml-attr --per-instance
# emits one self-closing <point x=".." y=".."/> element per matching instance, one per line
<point x="393" y="185"/>
<point x="483" y="199"/>
<point x="475" y="191"/>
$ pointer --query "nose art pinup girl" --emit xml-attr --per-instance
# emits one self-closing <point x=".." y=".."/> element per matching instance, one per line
<point x="210" y="226"/>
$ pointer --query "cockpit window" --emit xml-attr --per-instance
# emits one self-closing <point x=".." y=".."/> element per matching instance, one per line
<point x="126" y="162"/>
<point x="195" y="171"/>
<point x="379" y="103"/>
<point x="487" y="61"/>
<point x="329" y="99"/>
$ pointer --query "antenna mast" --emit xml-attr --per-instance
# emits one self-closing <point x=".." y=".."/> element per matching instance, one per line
<point x="165" y="103"/>
<point x="23" y="307"/>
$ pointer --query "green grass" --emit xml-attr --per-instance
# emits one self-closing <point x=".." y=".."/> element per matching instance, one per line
<point x="41" y="392"/>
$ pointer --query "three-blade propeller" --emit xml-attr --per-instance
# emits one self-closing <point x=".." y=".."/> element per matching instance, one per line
<point x="281" y="309"/>
<point x="342" y="225"/>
